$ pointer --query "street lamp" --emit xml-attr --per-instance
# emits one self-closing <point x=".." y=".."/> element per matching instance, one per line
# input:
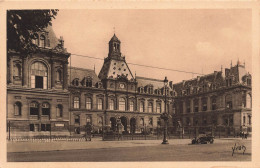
<point x="165" y="116"/>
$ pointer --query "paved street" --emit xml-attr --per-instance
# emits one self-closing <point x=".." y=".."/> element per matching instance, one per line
<point x="177" y="150"/>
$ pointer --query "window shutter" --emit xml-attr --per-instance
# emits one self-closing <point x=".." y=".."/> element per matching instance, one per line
<point x="45" y="82"/>
<point x="32" y="81"/>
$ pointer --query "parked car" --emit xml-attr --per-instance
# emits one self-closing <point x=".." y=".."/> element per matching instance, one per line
<point x="203" y="139"/>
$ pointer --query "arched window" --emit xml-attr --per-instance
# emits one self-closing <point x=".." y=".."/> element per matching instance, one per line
<point x="213" y="103"/>
<point x="46" y="109"/>
<point x="39" y="75"/>
<point x="58" y="75"/>
<point x="142" y="121"/>
<point x="76" y="102"/>
<point x="150" y="121"/>
<point x="35" y="39"/>
<point x="158" y="107"/>
<point x="188" y="106"/>
<point x="34" y="108"/>
<point x="88" y="119"/>
<point x="131" y="106"/>
<point x="89" y="82"/>
<point x="77" y="119"/>
<point x="59" y="110"/>
<point x="100" y="104"/>
<point x="42" y="41"/>
<point x="18" y="108"/>
<point x="141" y="106"/>
<point x="111" y="104"/>
<point x="249" y="119"/>
<point x="17" y="71"/>
<point x="150" y="107"/>
<point x="88" y="103"/>
<point x="229" y="102"/>
<point x="122" y="104"/>
<point x="244" y="120"/>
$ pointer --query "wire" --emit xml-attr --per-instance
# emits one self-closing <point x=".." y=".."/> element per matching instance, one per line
<point x="147" y="66"/>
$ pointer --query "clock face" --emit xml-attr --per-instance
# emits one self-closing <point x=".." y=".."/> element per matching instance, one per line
<point x="122" y="86"/>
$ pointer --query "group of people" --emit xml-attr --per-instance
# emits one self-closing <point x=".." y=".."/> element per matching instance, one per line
<point x="242" y="134"/>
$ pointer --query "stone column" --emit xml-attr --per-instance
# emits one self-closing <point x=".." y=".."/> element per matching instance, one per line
<point x="192" y="105"/>
<point x="25" y="73"/>
<point x="52" y="74"/>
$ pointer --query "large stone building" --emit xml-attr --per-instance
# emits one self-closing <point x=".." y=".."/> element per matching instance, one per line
<point x="221" y="100"/>
<point x="37" y="94"/>
<point x="115" y="95"/>
<point x="45" y="95"/>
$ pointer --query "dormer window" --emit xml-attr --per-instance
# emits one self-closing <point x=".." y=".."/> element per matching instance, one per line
<point x="88" y="82"/>
<point x="35" y="40"/>
<point x="42" y="41"/>
<point x="141" y="90"/>
<point x="75" y="82"/>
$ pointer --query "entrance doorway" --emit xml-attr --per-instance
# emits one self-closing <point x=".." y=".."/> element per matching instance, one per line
<point x="124" y="123"/>
<point x="132" y="125"/>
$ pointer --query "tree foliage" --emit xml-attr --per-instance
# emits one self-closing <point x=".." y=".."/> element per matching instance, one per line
<point x="22" y="25"/>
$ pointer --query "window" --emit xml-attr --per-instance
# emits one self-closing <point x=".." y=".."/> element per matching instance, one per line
<point x="122" y="104"/>
<point x="150" y="121"/>
<point x="150" y="90"/>
<point x="31" y="127"/>
<point x="88" y="103"/>
<point x="249" y="82"/>
<point x="141" y="90"/>
<point x="249" y="119"/>
<point x="112" y="104"/>
<point x="34" y="127"/>
<point x="174" y="108"/>
<point x="229" y="102"/>
<point x="181" y="107"/>
<point x="213" y="103"/>
<point x="35" y="40"/>
<point x="188" y="106"/>
<point x="142" y="121"/>
<point x="42" y="41"/>
<point x="18" y="108"/>
<point x="34" y="108"/>
<point x="45" y="127"/>
<point x="58" y="75"/>
<point x="76" y="102"/>
<point x="150" y="107"/>
<point x="187" y="121"/>
<point x="75" y="82"/>
<point x="45" y="109"/>
<point x="204" y="104"/>
<point x="196" y="105"/>
<point x="59" y="110"/>
<point x="77" y="119"/>
<point x="88" y="119"/>
<point x="159" y="108"/>
<point x="248" y="101"/>
<point x="88" y="82"/>
<point x="100" y="104"/>
<point x="244" y="120"/>
<point x="131" y="108"/>
<point x="17" y="71"/>
<point x="141" y="106"/>
<point x="39" y="75"/>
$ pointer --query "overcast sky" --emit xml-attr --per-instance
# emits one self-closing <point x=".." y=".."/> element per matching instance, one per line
<point x="184" y="39"/>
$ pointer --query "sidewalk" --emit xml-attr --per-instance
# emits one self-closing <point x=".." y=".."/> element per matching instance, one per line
<point x="96" y="143"/>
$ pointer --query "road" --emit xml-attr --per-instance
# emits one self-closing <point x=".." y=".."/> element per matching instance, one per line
<point x="172" y="152"/>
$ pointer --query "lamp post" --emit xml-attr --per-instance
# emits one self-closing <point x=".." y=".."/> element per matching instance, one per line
<point x="165" y="116"/>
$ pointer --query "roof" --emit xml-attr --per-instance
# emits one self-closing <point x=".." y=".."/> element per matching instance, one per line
<point x="52" y="37"/>
<point x="143" y="81"/>
<point x="114" y="38"/>
<point x="81" y="73"/>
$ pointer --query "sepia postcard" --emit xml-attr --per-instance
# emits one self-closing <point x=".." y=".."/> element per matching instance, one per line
<point x="130" y="84"/>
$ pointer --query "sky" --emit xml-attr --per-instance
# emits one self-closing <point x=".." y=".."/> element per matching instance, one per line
<point x="194" y="40"/>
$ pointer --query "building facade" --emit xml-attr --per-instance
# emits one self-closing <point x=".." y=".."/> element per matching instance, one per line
<point x="46" y="96"/>
<point x="37" y="88"/>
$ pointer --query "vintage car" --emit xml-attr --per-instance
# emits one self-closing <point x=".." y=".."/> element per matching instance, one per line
<point x="203" y="139"/>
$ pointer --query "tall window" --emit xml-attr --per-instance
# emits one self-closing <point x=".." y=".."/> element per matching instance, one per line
<point x="159" y="108"/>
<point x="213" y="103"/>
<point x="112" y="104"/>
<point x="46" y="109"/>
<point x="39" y="75"/>
<point x="35" y="40"/>
<point x="142" y="121"/>
<point x="34" y="108"/>
<point x="204" y="104"/>
<point x="181" y="107"/>
<point x="76" y="102"/>
<point x="150" y="121"/>
<point x="58" y="75"/>
<point x="244" y="120"/>
<point x="42" y="41"/>
<point x="141" y="106"/>
<point x="18" y="108"/>
<point x="196" y="105"/>
<point x="59" y="110"/>
<point x="131" y="108"/>
<point x="229" y="102"/>
<point x="188" y="106"/>
<point x="249" y="119"/>
<point x="75" y="82"/>
<point x="88" y="103"/>
<point x="248" y="101"/>
<point x="77" y="119"/>
<point x="150" y="107"/>
<point x="100" y="104"/>
<point x="88" y="119"/>
<point x="122" y="104"/>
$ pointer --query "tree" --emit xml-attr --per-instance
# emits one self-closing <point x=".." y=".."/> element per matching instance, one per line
<point x="22" y="26"/>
